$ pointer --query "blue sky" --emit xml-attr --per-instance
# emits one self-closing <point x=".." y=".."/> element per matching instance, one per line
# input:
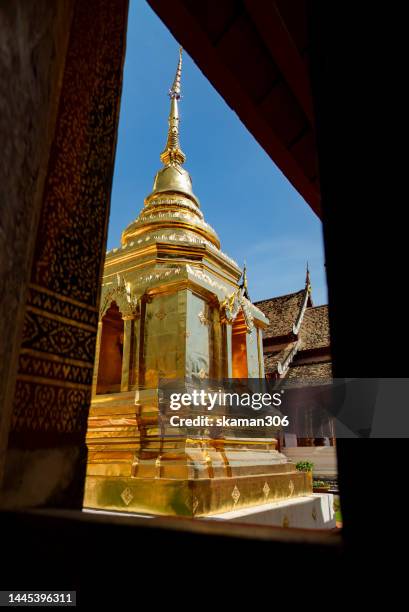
<point x="256" y="212"/>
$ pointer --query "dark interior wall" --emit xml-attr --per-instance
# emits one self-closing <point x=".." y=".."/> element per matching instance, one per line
<point x="62" y="129"/>
<point x="365" y="237"/>
<point x="33" y="45"/>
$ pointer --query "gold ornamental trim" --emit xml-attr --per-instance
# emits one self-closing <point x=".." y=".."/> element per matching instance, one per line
<point x="170" y="224"/>
<point x="53" y="382"/>
<point x="57" y="358"/>
<point x="61" y="319"/>
<point x="62" y="298"/>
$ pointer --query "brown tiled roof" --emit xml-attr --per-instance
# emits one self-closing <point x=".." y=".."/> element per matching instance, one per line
<point x="314" y="332"/>
<point x="282" y="311"/>
<point x="310" y="372"/>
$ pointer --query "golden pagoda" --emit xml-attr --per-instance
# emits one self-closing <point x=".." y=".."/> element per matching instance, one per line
<point x="172" y="306"/>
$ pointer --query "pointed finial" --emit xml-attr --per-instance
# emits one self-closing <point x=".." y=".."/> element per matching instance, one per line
<point x="307" y="279"/>
<point x="172" y="154"/>
<point x="174" y="91"/>
<point x="243" y="285"/>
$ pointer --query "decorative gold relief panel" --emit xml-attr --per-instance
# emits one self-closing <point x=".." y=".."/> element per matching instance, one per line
<point x="199" y="324"/>
<point x="163" y="345"/>
<point x="53" y="388"/>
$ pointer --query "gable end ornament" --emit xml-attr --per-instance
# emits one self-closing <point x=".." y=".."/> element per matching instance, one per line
<point x="297" y="324"/>
<point x="282" y="366"/>
<point x="235" y="303"/>
<point x="122" y="295"/>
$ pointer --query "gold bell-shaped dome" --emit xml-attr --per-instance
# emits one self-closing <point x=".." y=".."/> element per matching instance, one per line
<point x="173" y="179"/>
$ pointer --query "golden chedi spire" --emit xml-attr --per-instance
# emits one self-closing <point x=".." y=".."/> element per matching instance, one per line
<point x="172" y="206"/>
<point x="174" y="178"/>
<point x="173" y="154"/>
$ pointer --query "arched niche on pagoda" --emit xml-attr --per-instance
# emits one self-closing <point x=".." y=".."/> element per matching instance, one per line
<point x="239" y="347"/>
<point x="116" y="356"/>
<point x="123" y="297"/>
<point x="111" y="348"/>
<point x="244" y="342"/>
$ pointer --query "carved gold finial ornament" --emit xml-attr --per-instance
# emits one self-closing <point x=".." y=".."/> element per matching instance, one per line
<point x="244" y="285"/>
<point x="245" y="276"/>
<point x="175" y="89"/>
<point x="173" y="154"/>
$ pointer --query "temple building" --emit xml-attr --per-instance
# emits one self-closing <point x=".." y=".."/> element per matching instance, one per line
<point x="296" y="342"/>
<point x="297" y="348"/>
<point x="174" y="306"/>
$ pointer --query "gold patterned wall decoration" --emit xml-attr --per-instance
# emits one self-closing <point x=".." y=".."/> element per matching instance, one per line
<point x="53" y="388"/>
<point x="72" y="233"/>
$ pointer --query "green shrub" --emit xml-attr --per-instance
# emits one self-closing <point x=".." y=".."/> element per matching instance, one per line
<point x="318" y="483"/>
<point x="304" y="466"/>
